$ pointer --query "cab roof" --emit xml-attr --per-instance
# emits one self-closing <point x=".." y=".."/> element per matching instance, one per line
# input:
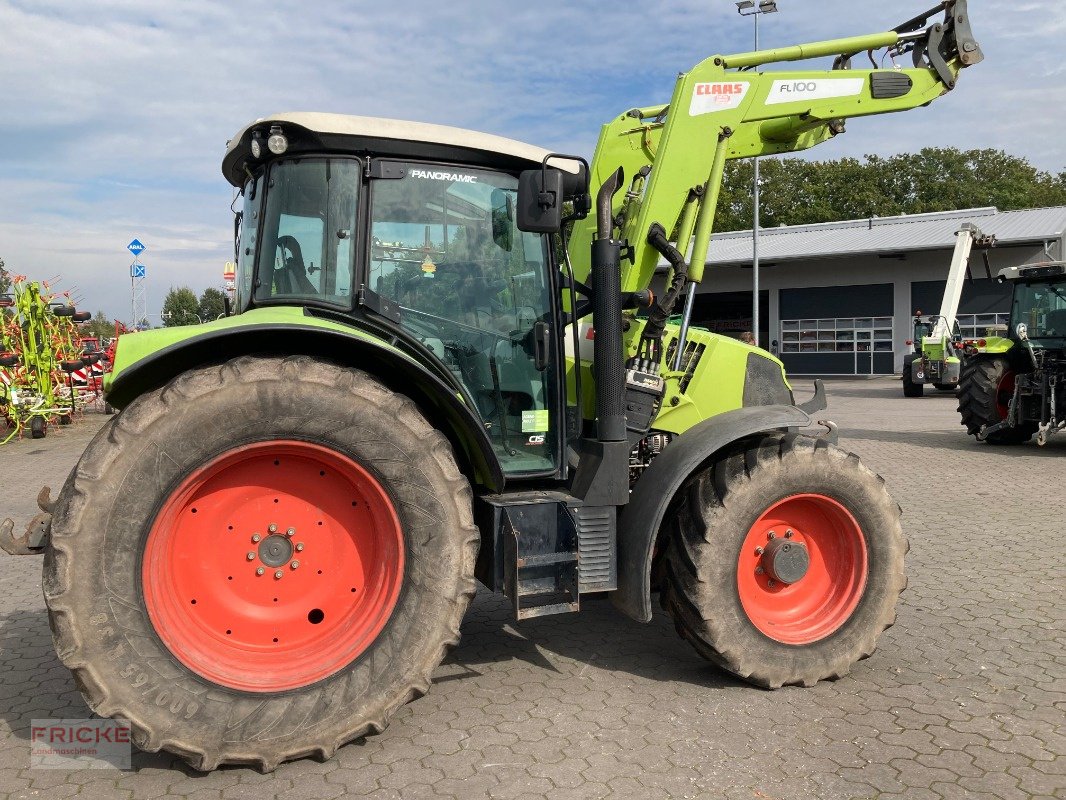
<point x="342" y="133"/>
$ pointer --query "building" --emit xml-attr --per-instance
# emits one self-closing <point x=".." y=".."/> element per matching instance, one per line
<point x="839" y="297"/>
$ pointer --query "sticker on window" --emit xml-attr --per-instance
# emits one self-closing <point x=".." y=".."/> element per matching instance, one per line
<point x="535" y="421"/>
<point x="436" y="175"/>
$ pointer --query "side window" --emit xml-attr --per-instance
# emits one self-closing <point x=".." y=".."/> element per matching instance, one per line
<point x="253" y="193"/>
<point x="307" y="250"/>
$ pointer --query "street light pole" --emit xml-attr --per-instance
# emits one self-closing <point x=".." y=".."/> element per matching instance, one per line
<point x="747" y="8"/>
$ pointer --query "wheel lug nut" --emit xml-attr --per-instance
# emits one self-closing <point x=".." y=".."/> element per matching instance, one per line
<point x="758" y="570"/>
<point x="279" y="574"/>
<point x="273" y="528"/>
<point x="260" y="571"/>
<point x="290" y="532"/>
<point x="251" y="556"/>
<point x="299" y="547"/>
<point x="788" y="534"/>
<point x="771" y="535"/>
<point x="256" y="537"/>
<point x="759" y="551"/>
<point x="771" y="583"/>
<point x="294" y="564"/>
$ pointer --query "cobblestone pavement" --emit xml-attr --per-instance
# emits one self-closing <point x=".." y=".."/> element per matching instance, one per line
<point x="965" y="697"/>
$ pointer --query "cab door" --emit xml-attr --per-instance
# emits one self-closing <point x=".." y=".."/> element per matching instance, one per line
<point x="477" y="292"/>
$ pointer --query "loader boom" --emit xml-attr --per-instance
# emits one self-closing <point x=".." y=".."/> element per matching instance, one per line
<point x="673" y="154"/>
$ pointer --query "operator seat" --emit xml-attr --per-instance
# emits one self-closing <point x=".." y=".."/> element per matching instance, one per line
<point x="292" y="277"/>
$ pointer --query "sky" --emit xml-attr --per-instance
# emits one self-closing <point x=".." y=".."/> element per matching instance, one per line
<point x="116" y="113"/>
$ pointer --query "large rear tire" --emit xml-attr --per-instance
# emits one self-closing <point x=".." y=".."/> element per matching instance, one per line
<point x="784" y="561"/>
<point x="162" y="583"/>
<point x="910" y="388"/>
<point x="985" y="389"/>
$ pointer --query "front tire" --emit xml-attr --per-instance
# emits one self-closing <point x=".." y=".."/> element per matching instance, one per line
<point x="778" y="622"/>
<point x="167" y="608"/>
<point x="910" y="388"/>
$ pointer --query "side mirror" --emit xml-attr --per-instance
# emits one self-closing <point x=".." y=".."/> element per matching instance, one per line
<point x="540" y="201"/>
<point x="502" y="219"/>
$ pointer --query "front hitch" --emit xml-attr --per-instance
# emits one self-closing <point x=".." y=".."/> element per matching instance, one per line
<point x="35" y="538"/>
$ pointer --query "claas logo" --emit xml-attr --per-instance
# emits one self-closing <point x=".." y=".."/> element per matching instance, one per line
<point x="720" y="92"/>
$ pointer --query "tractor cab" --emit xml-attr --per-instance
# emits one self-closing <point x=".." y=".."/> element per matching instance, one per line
<point x="1038" y="306"/>
<point x="414" y="227"/>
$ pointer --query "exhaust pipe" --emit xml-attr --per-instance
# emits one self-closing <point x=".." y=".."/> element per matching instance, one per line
<point x="609" y="364"/>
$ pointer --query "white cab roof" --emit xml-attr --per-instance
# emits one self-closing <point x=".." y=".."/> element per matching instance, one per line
<point x="378" y="128"/>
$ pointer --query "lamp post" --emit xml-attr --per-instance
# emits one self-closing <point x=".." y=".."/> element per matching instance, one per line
<point x="749" y="8"/>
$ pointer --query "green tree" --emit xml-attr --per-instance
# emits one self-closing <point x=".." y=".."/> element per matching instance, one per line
<point x="5" y="278"/>
<point x="180" y="307"/>
<point x="799" y="192"/>
<point x="212" y="304"/>
<point x="99" y="326"/>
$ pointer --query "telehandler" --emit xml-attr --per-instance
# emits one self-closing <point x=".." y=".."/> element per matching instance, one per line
<point x="271" y="548"/>
<point x="938" y="345"/>
<point x="1013" y="386"/>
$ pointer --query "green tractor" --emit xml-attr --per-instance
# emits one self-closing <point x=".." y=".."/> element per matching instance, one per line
<point x="435" y="373"/>
<point x="1012" y="387"/>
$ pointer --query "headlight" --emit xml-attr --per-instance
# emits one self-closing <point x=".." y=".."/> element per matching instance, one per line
<point x="277" y="143"/>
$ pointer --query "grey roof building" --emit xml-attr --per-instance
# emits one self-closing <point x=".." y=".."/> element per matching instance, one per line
<point x="839" y="297"/>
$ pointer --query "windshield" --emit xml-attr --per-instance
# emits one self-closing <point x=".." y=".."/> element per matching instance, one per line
<point x="307" y="247"/>
<point x="1042" y="307"/>
<point x="473" y="288"/>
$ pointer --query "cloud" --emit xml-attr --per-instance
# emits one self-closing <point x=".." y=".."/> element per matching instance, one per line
<point x="118" y="110"/>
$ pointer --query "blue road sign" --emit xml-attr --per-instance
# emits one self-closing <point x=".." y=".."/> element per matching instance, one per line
<point x="137" y="271"/>
<point x="136" y="247"/>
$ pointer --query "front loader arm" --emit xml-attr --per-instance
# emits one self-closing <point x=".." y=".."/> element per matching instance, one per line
<point x="673" y="154"/>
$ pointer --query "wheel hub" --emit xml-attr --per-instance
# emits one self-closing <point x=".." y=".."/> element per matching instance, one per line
<point x="786" y="561"/>
<point x="275" y="550"/>
<point x="273" y="566"/>
<point x="802" y="569"/>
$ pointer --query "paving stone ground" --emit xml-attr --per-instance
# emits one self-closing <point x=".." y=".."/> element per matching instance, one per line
<point x="965" y="697"/>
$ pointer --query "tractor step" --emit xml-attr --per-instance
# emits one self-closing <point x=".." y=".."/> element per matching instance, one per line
<point x="547" y="550"/>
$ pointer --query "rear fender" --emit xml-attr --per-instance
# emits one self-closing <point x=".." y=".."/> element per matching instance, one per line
<point x="211" y="344"/>
<point x="653" y="493"/>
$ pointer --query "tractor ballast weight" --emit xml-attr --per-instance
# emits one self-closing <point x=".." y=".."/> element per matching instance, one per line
<point x="441" y="366"/>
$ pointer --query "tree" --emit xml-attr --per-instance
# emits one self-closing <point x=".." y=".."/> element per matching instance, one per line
<point x="5" y="278"/>
<point x="180" y="307"/>
<point x="99" y="326"/>
<point x="212" y="304"/>
<point x="799" y="192"/>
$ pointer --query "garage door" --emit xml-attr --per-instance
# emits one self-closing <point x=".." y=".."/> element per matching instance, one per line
<point x="815" y="339"/>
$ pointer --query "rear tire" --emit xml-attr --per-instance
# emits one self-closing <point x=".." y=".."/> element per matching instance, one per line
<point x="910" y="388"/>
<point x="724" y="605"/>
<point x="985" y="389"/>
<point x="131" y="487"/>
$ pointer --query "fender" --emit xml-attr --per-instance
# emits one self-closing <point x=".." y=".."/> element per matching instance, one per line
<point x="146" y="361"/>
<point x="641" y="519"/>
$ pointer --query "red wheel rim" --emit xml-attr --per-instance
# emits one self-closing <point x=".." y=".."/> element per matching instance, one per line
<point x="823" y="599"/>
<point x="210" y="586"/>
<point x="1004" y="393"/>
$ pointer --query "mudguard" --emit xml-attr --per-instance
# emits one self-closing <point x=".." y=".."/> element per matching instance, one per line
<point x="640" y="521"/>
<point x="144" y="362"/>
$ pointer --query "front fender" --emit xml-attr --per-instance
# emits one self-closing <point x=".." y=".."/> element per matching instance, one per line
<point x="642" y="517"/>
<point x="146" y="361"/>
